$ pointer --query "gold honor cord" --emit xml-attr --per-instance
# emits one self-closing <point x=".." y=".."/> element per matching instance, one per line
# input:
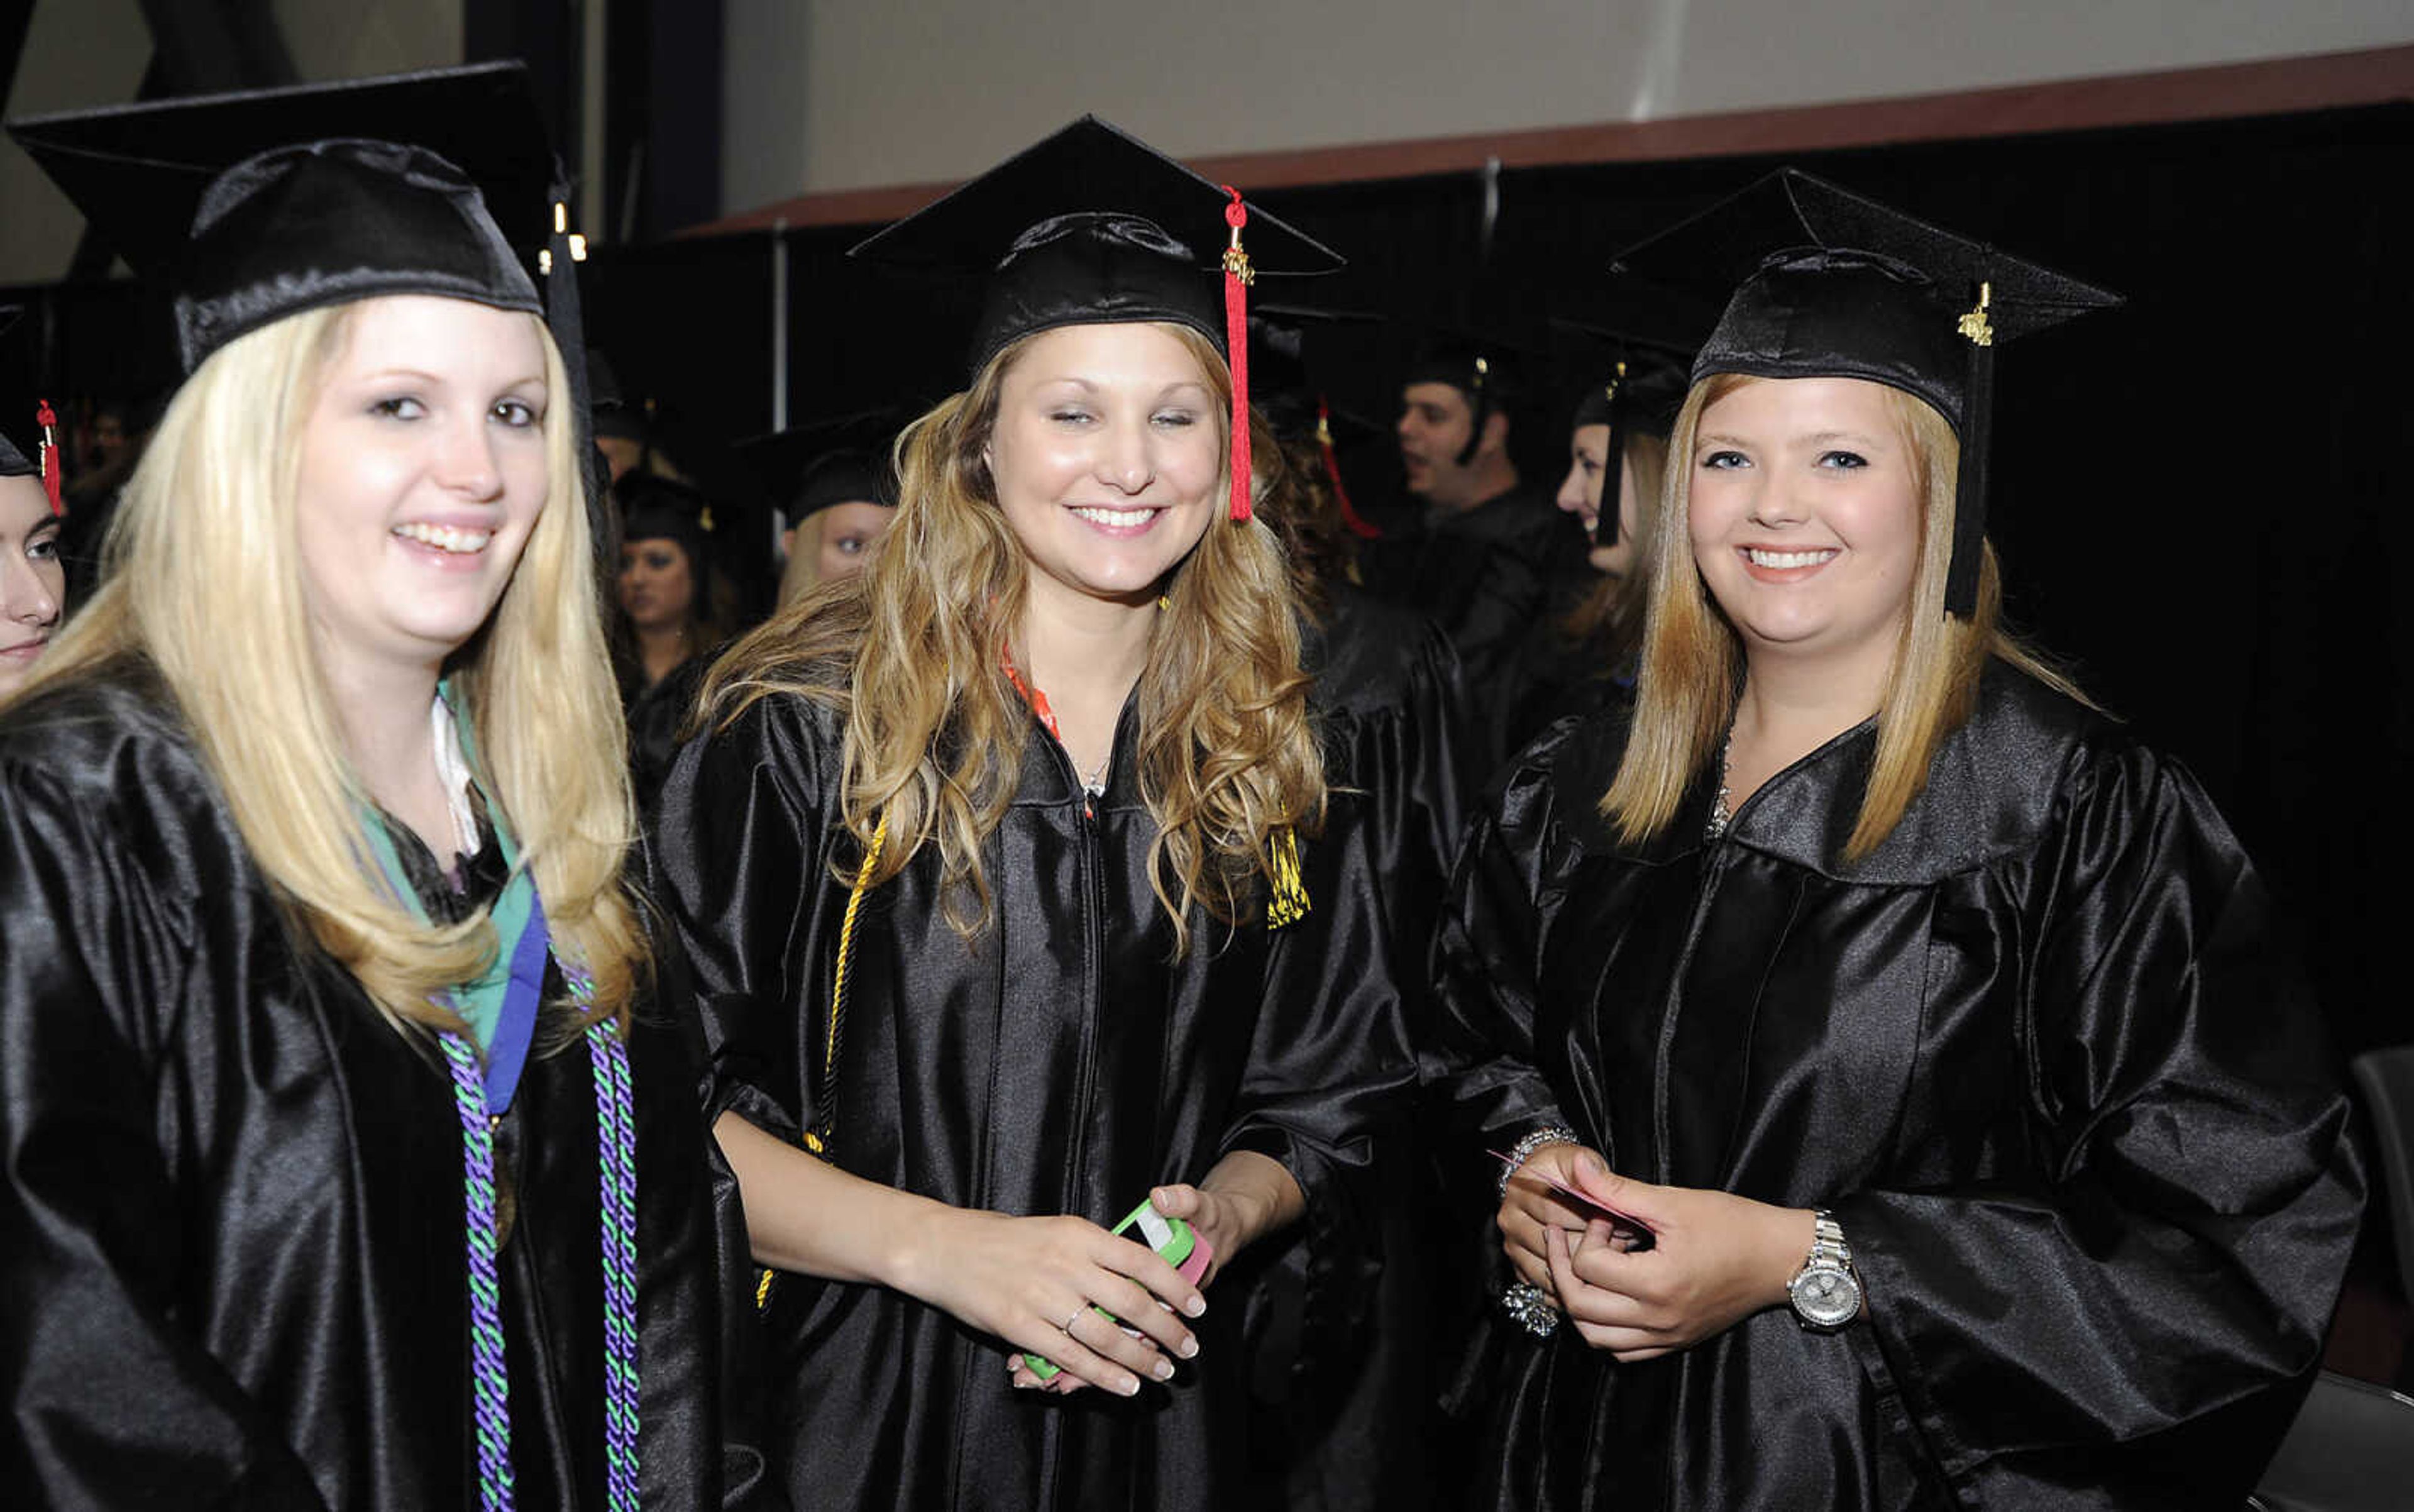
<point x="817" y="1141"/>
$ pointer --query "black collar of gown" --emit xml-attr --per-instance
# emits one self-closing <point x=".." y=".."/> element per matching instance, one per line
<point x="1991" y="789"/>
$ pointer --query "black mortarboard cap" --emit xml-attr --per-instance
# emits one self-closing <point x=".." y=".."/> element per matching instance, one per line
<point x="1635" y="384"/>
<point x="653" y="507"/>
<point x="1288" y="394"/>
<point x="1830" y="284"/>
<point x="263" y="203"/>
<point x="809" y="468"/>
<point x="1483" y="356"/>
<point x="44" y="461"/>
<point x="1093" y="226"/>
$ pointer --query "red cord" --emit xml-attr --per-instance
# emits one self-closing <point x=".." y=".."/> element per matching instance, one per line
<point x="1359" y="525"/>
<point x="48" y="420"/>
<point x="1238" y="275"/>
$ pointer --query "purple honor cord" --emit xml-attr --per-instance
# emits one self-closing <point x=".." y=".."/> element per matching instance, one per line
<point x="475" y="1095"/>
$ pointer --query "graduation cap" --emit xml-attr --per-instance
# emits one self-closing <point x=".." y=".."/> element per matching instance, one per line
<point x="653" y="507"/>
<point x="1093" y="226"/>
<point x="1486" y="358"/>
<point x="808" y="469"/>
<point x="1637" y="385"/>
<point x="262" y="204"/>
<point x="1294" y="403"/>
<point x="13" y="461"/>
<point x="1830" y="284"/>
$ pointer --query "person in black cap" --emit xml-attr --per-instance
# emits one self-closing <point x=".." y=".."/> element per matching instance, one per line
<point x="351" y="1158"/>
<point x="835" y="486"/>
<point x="1492" y="554"/>
<point x="33" y="579"/>
<point x="1351" y="1422"/>
<point x="1581" y="657"/>
<point x="1018" y="895"/>
<point x="672" y="613"/>
<point x="1902" y="1101"/>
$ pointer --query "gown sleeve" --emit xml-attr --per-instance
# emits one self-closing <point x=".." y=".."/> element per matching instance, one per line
<point x="1482" y="1064"/>
<point x="111" y="1401"/>
<point x="739" y="860"/>
<point x="2147" y="1310"/>
<point x="1329" y="1057"/>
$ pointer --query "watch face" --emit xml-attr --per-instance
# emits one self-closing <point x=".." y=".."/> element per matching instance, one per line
<point x="1826" y="1298"/>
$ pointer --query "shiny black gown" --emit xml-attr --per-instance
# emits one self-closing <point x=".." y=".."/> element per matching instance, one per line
<point x="1352" y="1411"/>
<point x="1059" y="1062"/>
<point x="2036" y="1052"/>
<point x="1486" y="576"/>
<point x="230" y="1230"/>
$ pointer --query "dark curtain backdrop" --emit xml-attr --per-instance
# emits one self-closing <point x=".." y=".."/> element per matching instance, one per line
<point x="2197" y="498"/>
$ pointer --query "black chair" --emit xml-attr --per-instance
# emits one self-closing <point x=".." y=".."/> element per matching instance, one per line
<point x="2352" y="1450"/>
<point x="2386" y="1078"/>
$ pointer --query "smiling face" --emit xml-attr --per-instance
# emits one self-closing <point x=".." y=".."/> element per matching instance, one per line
<point x="657" y="585"/>
<point x="1581" y="492"/>
<point x="1805" y="515"/>
<point x="32" y="580"/>
<point x="1107" y="457"/>
<point x="423" y="471"/>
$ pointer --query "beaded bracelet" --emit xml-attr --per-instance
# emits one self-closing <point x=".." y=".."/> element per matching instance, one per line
<point x="1523" y="1150"/>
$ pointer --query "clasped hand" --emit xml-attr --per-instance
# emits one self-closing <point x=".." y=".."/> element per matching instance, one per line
<point x="1711" y="1258"/>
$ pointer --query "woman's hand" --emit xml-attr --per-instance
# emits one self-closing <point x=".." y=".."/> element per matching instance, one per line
<point x="1244" y="1198"/>
<point x="1530" y="1208"/>
<point x="1036" y="1282"/>
<point x="1714" y="1259"/>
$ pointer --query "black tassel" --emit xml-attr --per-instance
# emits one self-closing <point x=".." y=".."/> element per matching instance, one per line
<point x="1613" y="465"/>
<point x="1970" y="489"/>
<point x="1479" y="413"/>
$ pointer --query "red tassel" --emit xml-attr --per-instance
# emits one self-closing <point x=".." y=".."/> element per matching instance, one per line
<point x="1238" y="275"/>
<point x="1359" y="525"/>
<point x="48" y="420"/>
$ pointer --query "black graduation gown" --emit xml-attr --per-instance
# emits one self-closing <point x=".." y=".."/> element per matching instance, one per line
<point x="1059" y="1062"/>
<point x="2037" y="1053"/>
<point x="1350" y="1409"/>
<point x="1486" y="576"/>
<point x="656" y="716"/>
<point x="231" y="1270"/>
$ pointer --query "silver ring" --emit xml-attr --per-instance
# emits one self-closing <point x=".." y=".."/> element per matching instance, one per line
<point x="1066" y="1326"/>
<point x="1530" y="1306"/>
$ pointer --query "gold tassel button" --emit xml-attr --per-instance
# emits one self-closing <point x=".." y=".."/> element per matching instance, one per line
<point x="1289" y="903"/>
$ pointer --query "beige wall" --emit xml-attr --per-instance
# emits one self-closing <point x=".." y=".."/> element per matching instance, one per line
<point x="847" y="94"/>
<point x="81" y="52"/>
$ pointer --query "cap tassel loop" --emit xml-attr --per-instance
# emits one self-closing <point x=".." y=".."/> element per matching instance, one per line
<point x="1357" y="524"/>
<point x="52" y="482"/>
<point x="1238" y="275"/>
<point x="1970" y="488"/>
<point x="1480" y="412"/>
<point x="1613" y="466"/>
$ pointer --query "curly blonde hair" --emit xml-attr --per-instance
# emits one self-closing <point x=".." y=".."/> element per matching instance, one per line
<point x="908" y="651"/>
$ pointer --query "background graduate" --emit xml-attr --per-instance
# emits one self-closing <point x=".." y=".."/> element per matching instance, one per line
<point x="1960" y="1134"/>
<point x="33" y="578"/>
<point x="1018" y="891"/>
<point x="348" y="1162"/>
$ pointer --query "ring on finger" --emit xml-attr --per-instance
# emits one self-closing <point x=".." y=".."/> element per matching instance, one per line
<point x="1066" y="1326"/>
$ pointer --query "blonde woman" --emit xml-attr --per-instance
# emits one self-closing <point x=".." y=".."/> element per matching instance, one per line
<point x="1019" y="897"/>
<point x="1904" y="1102"/>
<point x="346" y="1163"/>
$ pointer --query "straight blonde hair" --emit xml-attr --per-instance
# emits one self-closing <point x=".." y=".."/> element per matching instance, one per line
<point x="205" y="581"/>
<point x="1692" y="662"/>
<point x="908" y="651"/>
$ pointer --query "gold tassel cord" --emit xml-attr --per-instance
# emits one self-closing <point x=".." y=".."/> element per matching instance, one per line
<point x="816" y="1144"/>
<point x="1289" y="902"/>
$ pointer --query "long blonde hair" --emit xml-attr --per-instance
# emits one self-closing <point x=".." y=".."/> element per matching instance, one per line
<point x="908" y="651"/>
<point x="204" y="581"/>
<point x="1692" y="658"/>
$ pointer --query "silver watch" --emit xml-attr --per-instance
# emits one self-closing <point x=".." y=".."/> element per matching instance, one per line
<point x="1826" y="1292"/>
